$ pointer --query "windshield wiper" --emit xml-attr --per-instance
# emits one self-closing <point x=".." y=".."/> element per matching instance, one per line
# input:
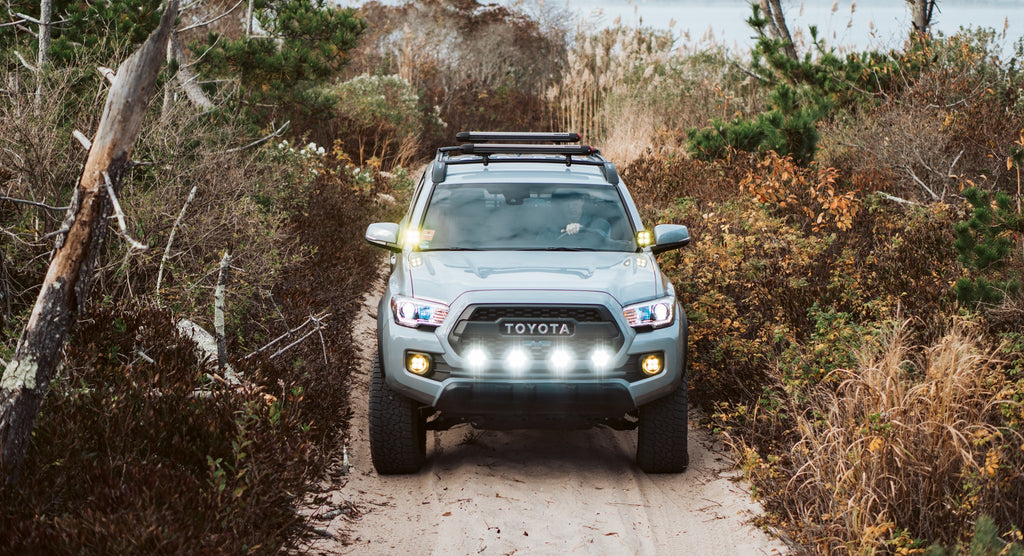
<point x="452" y="249"/>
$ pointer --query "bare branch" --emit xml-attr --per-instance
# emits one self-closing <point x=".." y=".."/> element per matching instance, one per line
<point x="13" y="23"/>
<point x="25" y="63"/>
<point x="258" y="141"/>
<point x="313" y="319"/>
<point x="205" y="23"/>
<point x="120" y="216"/>
<point x="751" y="73"/>
<point x="955" y="160"/>
<point x="33" y="203"/>
<point x="296" y="342"/>
<point x="106" y="72"/>
<point x="170" y="241"/>
<point x="86" y="143"/>
<point x="28" y="18"/>
<point x="888" y="197"/>
<point x="910" y="171"/>
<point x="14" y="236"/>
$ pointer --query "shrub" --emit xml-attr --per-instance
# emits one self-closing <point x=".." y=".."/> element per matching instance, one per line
<point x="129" y="454"/>
<point x="909" y="440"/>
<point x="984" y="242"/>
<point x="377" y="116"/>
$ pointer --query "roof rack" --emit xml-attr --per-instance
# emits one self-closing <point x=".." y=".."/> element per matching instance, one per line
<point x="484" y="153"/>
<point x="513" y="136"/>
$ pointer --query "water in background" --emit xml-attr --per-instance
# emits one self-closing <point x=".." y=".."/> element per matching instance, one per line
<point x="860" y="25"/>
<point x="846" y="24"/>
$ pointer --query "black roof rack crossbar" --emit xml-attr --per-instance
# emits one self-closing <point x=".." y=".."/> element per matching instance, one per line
<point x="495" y="148"/>
<point x="491" y="159"/>
<point x="514" y="136"/>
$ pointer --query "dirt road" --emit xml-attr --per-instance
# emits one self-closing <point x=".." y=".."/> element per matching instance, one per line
<point x="535" y="492"/>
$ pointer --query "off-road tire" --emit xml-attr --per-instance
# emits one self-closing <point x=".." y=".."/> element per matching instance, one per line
<point x="398" y="431"/>
<point x="661" y="434"/>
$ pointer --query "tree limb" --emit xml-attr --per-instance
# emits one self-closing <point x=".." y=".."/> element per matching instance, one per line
<point x="120" y="216"/>
<point x="25" y="63"/>
<point x="170" y="241"/>
<point x="258" y="141"/>
<point x="205" y="23"/>
<point x="82" y="139"/>
<point x="33" y="203"/>
<point x="107" y="73"/>
<point x="315" y="319"/>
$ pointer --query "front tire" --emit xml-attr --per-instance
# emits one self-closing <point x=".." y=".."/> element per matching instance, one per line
<point x="661" y="434"/>
<point x="398" y="430"/>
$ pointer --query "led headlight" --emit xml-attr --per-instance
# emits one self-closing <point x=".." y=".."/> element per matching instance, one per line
<point x="412" y="312"/>
<point x="656" y="313"/>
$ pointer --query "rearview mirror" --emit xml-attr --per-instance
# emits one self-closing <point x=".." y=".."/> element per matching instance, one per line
<point x="669" y="236"/>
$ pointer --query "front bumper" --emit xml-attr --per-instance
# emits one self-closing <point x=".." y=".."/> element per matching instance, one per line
<point x="611" y="391"/>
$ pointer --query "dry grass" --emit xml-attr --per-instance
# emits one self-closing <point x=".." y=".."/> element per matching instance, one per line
<point x="906" y="447"/>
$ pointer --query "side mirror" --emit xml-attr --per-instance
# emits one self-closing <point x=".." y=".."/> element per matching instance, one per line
<point x="668" y="237"/>
<point x="383" y="234"/>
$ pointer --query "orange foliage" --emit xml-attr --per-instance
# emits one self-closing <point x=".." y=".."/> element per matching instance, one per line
<point x="812" y="191"/>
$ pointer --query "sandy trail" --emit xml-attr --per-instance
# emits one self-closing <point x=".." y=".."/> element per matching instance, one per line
<point x="535" y="492"/>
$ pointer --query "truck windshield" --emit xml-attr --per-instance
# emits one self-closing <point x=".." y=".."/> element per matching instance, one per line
<point x="526" y="217"/>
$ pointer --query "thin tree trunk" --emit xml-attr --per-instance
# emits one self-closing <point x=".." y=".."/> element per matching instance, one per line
<point x="921" y="14"/>
<point x="248" y="18"/>
<point x="45" y="16"/>
<point x="777" y="25"/>
<point x="66" y="286"/>
<point x="185" y="76"/>
<point x="219" y="295"/>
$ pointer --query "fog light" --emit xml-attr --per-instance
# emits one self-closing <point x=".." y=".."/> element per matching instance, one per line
<point x="651" y="365"/>
<point x="476" y="359"/>
<point x="418" y="363"/>
<point x="561" y="360"/>
<point x="601" y="359"/>
<point x="516" y="360"/>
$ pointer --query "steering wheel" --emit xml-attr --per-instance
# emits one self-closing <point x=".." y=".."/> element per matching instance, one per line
<point x="585" y="236"/>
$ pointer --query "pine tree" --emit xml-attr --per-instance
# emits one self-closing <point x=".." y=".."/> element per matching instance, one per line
<point x="984" y="242"/>
<point x="306" y="42"/>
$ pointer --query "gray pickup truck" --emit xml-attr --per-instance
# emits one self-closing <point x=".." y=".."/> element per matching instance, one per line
<point x="524" y="293"/>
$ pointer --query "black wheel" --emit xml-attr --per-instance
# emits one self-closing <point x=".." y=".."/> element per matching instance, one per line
<point x="661" y="435"/>
<point x="398" y="428"/>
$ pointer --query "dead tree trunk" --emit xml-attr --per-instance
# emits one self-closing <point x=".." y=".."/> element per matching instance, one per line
<point x="45" y="16"/>
<point x="777" y="25"/>
<point x="921" y="14"/>
<point x="66" y="286"/>
<point x="186" y="78"/>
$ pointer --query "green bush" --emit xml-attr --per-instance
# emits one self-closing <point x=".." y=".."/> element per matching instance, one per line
<point x="984" y="242"/>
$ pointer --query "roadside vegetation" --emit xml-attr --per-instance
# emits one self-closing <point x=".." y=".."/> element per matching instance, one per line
<point x="853" y="285"/>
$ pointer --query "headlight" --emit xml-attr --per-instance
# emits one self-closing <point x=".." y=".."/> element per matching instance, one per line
<point x="412" y="312"/>
<point x="656" y="314"/>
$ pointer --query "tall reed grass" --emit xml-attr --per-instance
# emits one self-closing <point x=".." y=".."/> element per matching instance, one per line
<point x="910" y="445"/>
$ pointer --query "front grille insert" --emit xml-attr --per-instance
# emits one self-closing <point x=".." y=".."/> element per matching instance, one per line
<point x="579" y="313"/>
<point x="487" y="327"/>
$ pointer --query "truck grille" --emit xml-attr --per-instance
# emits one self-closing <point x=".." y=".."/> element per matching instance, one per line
<point x="492" y="328"/>
<point x="492" y="313"/>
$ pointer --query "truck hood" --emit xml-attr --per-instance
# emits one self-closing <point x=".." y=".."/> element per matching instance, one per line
<point x="445" y="275"/>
